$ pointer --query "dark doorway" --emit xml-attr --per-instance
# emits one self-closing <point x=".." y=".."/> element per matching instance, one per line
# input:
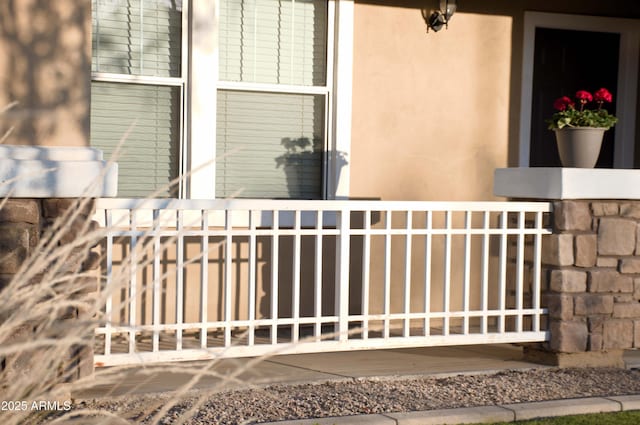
<point x="566" y="61"/>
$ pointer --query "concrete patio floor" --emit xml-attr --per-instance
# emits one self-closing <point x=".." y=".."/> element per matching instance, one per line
<point x="309" y="368"/>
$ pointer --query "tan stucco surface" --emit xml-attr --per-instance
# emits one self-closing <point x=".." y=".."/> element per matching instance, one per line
<point x="45" y="57"/>
<point x="429" y="110"/>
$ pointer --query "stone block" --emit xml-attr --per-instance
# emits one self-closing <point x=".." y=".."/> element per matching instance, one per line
<point x="56" y="207"/>
<point x="636" y="334"/>
<point x="15" y="244"/>
<point x="595" y="324"/>
<point x="586" y="250"/>
<point x="569" y="336"/>
<point x="590" y="304"/>
<point x="607" y="262"/>
<point x="5" y="280"/>
<point x="626" y="310"/>
<point x="600" y="209"/>
<point x="630" y="265"/>
<point x="560" y="306"/>
<point x="557" y="249"/>
<point x="618" y="334"/>
<point x="568" y="281"/>
<point x="631" y="210"/>
<point x="79" y="362"/>
<point x="623" y="298"/>
<point x="609" y="281"/>
<point x="610" y="358"/>
<point x="545" y="279"/>
<point x="596" y="342"/>
<point x="92" y="262"/>
<point x="571" y="215"/>
<point x="616" y="236"/>
<point x="636" y="288"/>
<point x="20" y="211"/>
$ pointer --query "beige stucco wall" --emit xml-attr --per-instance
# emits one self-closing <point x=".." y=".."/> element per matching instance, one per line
<point x="45" y="57"/>
<point x="432" y="106"/>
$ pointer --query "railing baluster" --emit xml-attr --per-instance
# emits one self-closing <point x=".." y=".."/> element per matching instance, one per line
<point x="447" y="273"/>
<point x="204" y="276"/>
<point x="342" y="274"/>
<point x="317" y="281"/>
<point x="253" y="282"/>
<point x="228" y="276"/>
<point x="502" y="280"/>
<point x="109" y="282"/>
<point x="427" y="272"/>
<point x="484" y="296"/>
<point x="133" y="282"/>
<point x="537" y="256"/>
<point x="275" y="247"/>
<point x="366" y="269"/>
<point x="297" y="253"/>
<point x="467" y="271"/>
<point x="157" y="278"/>
<point x="520" y="271"/>
<point x="406" y="330"/>
<point x="387" y="272"/>
<point x="179" y="278"/>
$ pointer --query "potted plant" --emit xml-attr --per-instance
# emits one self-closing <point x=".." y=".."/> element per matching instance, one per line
<point x="579" y="131"/>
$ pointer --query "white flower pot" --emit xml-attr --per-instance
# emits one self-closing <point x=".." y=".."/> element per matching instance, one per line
<point x="579" y="147"/>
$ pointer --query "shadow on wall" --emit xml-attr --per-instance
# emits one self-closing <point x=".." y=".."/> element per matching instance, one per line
<point x="304" y="166"/>
<point x="44" y="67"/>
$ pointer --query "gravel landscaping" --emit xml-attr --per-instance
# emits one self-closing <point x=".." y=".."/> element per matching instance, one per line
<point x="349" y="397"/>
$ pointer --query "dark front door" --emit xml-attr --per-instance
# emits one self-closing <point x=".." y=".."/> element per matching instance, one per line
<point x="566" y="61"/>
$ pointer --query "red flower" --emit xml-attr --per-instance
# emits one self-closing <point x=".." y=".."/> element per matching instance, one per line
<point x="584" y="96"/>
<point x="562" y="103"/>
<point x="603" y="95"/>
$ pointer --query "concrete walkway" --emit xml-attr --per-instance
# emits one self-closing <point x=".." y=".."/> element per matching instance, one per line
<point x="321" y="367"/>
<point x="306" y="368"/>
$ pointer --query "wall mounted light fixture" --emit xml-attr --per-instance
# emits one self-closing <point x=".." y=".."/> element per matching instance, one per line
<point x="436" y="19"/>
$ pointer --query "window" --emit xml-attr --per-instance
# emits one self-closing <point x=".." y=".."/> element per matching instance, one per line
<point x="137" y="91"/>
<point x="272" y="98"/>
<point x="239" y="94"/>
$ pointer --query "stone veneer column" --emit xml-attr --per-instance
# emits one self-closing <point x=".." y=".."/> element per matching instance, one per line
<point x="591" y="275"/>
<point x="590" y="264"/>
<point x="24" y="223"/>
<point x="46" y="208"/>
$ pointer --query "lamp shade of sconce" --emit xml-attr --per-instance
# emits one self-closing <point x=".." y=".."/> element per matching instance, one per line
<point x="448" y="8"/>
<point x="436" y="19"/>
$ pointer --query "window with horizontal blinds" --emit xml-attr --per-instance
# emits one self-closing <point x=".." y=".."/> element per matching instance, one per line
<point x="137" y="37"/>
<point x="141" y="38"/>
<point x="149" y="152"/>
<point x="268" y="144"/>
<point x="273" y="41"/>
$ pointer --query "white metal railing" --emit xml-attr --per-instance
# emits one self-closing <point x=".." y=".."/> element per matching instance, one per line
<point x="189" y="279"/>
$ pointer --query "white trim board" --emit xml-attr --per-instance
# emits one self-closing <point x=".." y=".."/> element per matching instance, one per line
<point x="566" y="183"/>
<point x="56" y="172"/>
<point x="629" y="30"/>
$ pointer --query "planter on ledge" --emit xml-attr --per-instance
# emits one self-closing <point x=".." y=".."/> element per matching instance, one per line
<point x="579" y="147"/>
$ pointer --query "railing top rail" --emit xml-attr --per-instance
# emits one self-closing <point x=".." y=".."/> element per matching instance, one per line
<point x="318" y="205"/>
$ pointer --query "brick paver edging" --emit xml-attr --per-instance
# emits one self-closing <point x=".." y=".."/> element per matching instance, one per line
<point x="484" y="414"/>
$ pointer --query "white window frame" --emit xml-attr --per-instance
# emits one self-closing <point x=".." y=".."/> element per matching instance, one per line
<point x="203" y="85"/>
<point x="629" y="32"/>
